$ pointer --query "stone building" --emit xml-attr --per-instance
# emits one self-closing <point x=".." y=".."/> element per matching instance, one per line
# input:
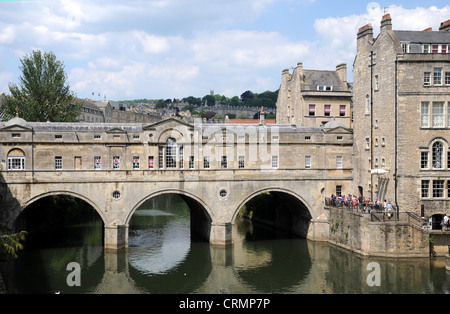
<point x="312" y="97"/>
<point x="402" y="117"/>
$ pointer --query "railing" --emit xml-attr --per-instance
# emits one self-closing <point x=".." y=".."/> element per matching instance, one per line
<point x="378" y="213"/>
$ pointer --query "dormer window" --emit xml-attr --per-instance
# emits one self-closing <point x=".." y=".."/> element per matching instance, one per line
<point x="435" y="48"/>
<point x="324" y="88"/>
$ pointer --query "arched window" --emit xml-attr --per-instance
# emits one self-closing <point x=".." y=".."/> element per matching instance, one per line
<point x="16" y="160"/>
<point x="438" y="155"/>
<point x="171" y="153"/>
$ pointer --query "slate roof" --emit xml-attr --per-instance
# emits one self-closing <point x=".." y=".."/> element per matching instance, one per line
<point x="313" y="78"/>
<point x="422" y="37"/>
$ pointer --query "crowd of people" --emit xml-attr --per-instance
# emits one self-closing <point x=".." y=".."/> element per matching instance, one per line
<point x="364" y="204"/>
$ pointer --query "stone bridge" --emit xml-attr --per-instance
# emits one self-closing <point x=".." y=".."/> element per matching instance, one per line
<point x="216" y="169"/>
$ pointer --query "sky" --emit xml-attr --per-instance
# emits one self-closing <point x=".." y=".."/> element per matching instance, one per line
<point x="160" y="49"/>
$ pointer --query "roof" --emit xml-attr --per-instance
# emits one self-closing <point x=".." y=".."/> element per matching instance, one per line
<point x="423" y="37"/>
<point x="313" y="78"/>
<point x="251" y="121"/>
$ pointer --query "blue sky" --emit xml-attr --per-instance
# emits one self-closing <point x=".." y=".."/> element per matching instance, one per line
<point x="177" y="48"/>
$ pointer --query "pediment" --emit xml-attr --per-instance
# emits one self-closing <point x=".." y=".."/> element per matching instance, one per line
<point x="116" y="131"/>
<point x="338" y="130"/>
<point x="170" y="123"/>
<point x="16" y="128"/>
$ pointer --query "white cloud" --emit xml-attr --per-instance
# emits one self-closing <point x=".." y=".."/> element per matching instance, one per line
<point x="177" y="48"/>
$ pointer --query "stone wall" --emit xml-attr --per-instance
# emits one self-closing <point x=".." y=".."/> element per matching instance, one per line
<point x="355" y="232"/>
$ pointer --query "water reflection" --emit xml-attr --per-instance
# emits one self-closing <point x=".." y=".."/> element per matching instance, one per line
<point x="162" y="259"/>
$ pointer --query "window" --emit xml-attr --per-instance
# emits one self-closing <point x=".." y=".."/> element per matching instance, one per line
<point x="444" y="49"/>
<point x="97" y="137"/>
<point x="367" y="143"/>
<point x="434" y="48"/>
<point x="151" y="162"/>
<point x="447" y="78"/>
<point x="15" y="135"/>
<point x="191" y="162"/>
<point x="438" y="188"/>
<point x="275" y="162"/>
<point x="312" y="110"/>
<point x="161" y="157"/>
<point x="438" y="114"/>
<point x="342" y="110"/>
<point x="427" y="78"/>
<point x="136" y="137"/>
<point x="338" y="190"/>
<point x="136" y="162"/>
<point x="181" y="156"/>
<point x="425" y="115"/>
<point x="224" y="162"/>
<point x="425" y="188"/>
<point x="339" y="162"/>
<point x="58" y="162"/>
<point x="116" y="195"/>
<point x="383" y="162"/>
<point x="241" y="162"/>
<point x="438" y="155"/>
<point x="116" y="162"/>
<point x="437" y="76"/>
<point x="171" y="153"/>
<point x="423" y="160"/>
<point x="383" y="141"/>
<point x="324" y="88"/>
<point x="426" y="48"/>
<point x="58" y="137"/>
<point x="97" y="162"/>
<point x="16" y="163"/>
<point x="376" y="82"/>
<point x="206" y="162"/>
<point x="307" y="162"/>
<point x="327" y="110"/>
<point x="307" y="138"/>
<point x="367" y="104"/>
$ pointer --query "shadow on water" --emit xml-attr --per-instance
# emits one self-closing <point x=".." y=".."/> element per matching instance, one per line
<point x="275" y="261"/>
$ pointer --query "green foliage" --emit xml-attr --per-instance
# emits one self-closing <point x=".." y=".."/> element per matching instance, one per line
<point x="11" y="244"/>
<point x="43" y="93"/>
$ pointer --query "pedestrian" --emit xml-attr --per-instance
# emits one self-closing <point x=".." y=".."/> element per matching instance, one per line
<point x="445" y="222"/>
<point x="389" y="208"/>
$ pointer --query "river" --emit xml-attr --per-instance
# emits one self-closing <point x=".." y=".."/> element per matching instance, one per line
<point x="163" y="258"/>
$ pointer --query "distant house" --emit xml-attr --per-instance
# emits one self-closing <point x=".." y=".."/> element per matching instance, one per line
<point x="313" y="97"/>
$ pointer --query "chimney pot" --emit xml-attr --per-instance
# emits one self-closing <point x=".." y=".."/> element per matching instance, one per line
<point x="445" y="26"/>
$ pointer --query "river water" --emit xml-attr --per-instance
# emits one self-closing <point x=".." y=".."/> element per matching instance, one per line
<point x="162" y="258"/>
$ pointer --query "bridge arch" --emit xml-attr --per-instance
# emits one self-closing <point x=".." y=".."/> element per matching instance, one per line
<point x="201" y="214"/>
<point x="295" y="215"/>
<point x="63" y="192"/>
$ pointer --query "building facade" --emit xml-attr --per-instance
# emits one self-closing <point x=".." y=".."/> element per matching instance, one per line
<point x="402" y="117"/>
<point x="312" y="97"/>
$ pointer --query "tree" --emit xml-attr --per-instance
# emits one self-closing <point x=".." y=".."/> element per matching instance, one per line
<point x="248" y="95"/>
<point x="11" y="244"/>
<point x="43" y="93"/>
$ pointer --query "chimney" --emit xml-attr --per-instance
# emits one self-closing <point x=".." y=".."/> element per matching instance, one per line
<point x="429" y="29"/>
<point x="341" y="70"/>
<point x="445" y="26"/>
<point x="386" y="23"/>
<point x="262" y="116"/>
<point x="365" y="30"/>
